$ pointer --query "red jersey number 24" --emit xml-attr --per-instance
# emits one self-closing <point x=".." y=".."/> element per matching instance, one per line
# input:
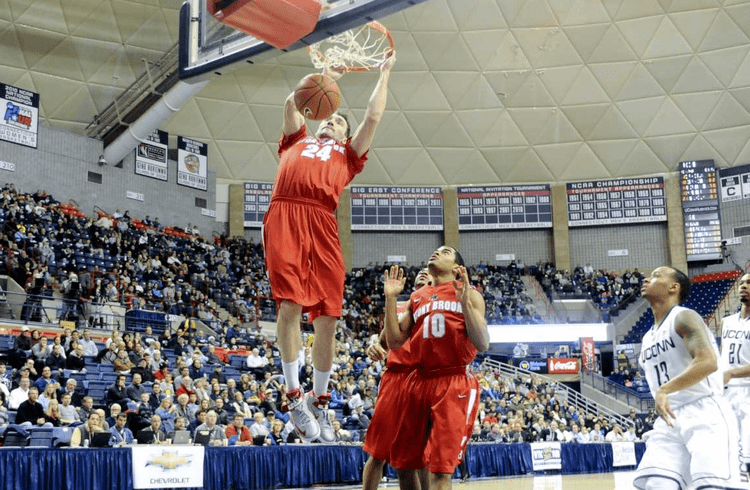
<point x="312" y="151"/>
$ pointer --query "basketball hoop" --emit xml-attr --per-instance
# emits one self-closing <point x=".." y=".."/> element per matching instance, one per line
<point x="361" y="49"/>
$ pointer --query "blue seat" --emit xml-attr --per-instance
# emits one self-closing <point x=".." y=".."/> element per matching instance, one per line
<point x="40" y="437"/>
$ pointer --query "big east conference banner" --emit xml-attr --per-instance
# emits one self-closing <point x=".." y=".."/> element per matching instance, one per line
<point x="562" y="365"/>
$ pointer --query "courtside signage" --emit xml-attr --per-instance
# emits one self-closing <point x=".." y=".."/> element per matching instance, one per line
<point x="396" y="208"/>
<point x="192" y="163"/>
<point x="623" y="454"/>
<point x="546" y="456"/>
<point x="168" y="466"/>
<point x="611" y="202"/>
<point x="504" y="206"/>
<point x="151" y="155"/>
<point x="20" y="109"/>
<point x="257" y="199"/>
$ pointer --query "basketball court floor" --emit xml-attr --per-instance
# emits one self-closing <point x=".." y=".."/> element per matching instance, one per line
<point x="618" y="480"/>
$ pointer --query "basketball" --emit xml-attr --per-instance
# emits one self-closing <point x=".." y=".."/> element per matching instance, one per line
<point x="317" y="96"/>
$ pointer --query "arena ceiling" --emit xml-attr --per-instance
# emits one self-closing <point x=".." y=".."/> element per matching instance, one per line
<point x="484" y="91"/>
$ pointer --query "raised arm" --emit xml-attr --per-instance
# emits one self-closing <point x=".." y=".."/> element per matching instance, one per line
<point x="472" y="304"/>
<point x="364" y="134"/>
<point x="689" y="325"/>
<point x="293" y="120"/>
<point x="396" y="330"/>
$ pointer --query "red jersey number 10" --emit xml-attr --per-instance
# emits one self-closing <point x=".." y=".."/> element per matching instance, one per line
<point x="433" y="325"/>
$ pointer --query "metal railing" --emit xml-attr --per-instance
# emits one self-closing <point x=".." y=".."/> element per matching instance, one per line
<point x="583" y="404"/>
<point x="630" y="397"/>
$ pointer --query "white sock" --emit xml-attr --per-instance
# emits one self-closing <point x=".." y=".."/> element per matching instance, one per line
<point x="291" y="374"/>
<point x="320" y="382"/>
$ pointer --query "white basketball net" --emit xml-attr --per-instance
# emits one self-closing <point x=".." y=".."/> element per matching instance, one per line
<point x="362" y="49"/>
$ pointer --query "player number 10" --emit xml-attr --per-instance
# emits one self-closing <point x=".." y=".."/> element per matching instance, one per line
<point x="433" y="325"/>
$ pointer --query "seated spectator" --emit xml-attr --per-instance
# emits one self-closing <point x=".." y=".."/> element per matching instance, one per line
<point x="86" y="408"/>
<point x="31" y="413"/>
<point x="615" y="435"/>
<point x="20" y="394"/>
<point x="239" y="430"/>
<point x="120" y="433"/>
<point x="56" y="361"/>
<point x="217" y="436"/>
<point x="179" y="424"/>
<point x="44" y="379"/>
<point x="114" y="411"/>
<point x="49" y="393"/>
<point x="53" y="413"/>
<point x="239" y="405"/>
<point x="82" y="434"/>
<point x="158" y="436"/>
<point x="117" y="393"/>
<point x="75" y="361"/>
<point x="135" y="390"/>
<point x="259" y="427"/>
<point x="122" y="362"/>
<point x="168" y="414"/>
<point x="68" y="413"/>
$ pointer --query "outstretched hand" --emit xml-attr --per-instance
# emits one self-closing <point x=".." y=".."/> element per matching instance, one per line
<point x="389" y="62"/>
<point x="335" y="72"/>
<point x="463" y="290"/>
<point x="376" y="352"/>
<point x="394" y="281"/>
<point x="663" y="409"/>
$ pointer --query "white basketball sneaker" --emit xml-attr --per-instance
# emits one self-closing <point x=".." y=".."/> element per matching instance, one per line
<point x="304" y="421"/>
<point x="318" y="405"/>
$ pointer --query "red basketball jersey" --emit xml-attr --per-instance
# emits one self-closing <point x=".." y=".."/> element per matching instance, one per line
<point x="438" y="338"/>
<point x="315" y="169"/>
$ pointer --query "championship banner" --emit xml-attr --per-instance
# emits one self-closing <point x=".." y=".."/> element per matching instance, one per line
<point x="192" y="163"/>
<point x="611" y="202"/>
<point x="397" y="208"/>
<point x="562" y="365"/>
<point x="504" y="206"/>
<point x="587" y="354"/>
<point x="623" y="454"/>
<point x="20" y="115"/>
<point x="546" y="456"/>
<point x="151" y="156"/>
<point x="735" y="183"/>
<point x="167" y="466"/>
<point x="257" y="200"/>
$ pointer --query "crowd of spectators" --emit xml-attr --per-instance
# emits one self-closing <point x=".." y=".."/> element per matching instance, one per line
<point x="607" y="289"/>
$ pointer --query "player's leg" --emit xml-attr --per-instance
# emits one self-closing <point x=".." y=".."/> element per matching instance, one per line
<point x="323" y="350"/>
<point x="424" y="478"/>
<point x="290" y="342"/>
<point x="658" y="483"/>
<point x="441" y="481"/>
<point x="372" y="473"/>
<point x="408" y="480"/>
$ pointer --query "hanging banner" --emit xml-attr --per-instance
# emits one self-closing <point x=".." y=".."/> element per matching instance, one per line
<point x="20" y="109"/>
<point x="396" y="208"/>
<point x="192" y="163"/>
<point x="151" y="156"/>
<point x="257" y="200"/>
<point x="587" y="354"/>
<point x="168" y="466"/>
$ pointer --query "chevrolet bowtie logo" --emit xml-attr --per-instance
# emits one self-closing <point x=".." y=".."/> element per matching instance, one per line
<point x="169" y="460"/>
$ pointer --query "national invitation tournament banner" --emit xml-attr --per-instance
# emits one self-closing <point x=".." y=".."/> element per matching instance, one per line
<point x="20" y="109"/>
<point x="546" y="456"/>
<point x="257" y="200"/>
<point x="504" y="206"/>
<point x="151" y="155"/>
<point x="168" y="466"/>
<point x="396" y="208"/>
<point x="192" y="163"/>
<point x="616" y="201"/>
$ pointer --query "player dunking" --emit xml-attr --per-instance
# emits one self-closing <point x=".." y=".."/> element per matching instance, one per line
<point x="300" y="238"/>
<point x="445" y="328"/>
<point x="382" y="429"/>
<point x="735" y="360"/>
<point x="694" y="442"/>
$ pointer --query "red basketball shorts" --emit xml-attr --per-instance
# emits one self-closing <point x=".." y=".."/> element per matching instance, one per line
<point x="385" y="421"/>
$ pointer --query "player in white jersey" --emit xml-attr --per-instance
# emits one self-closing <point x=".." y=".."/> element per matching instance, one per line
<point x="694" y="441"/>
<point x="735" y="360"/>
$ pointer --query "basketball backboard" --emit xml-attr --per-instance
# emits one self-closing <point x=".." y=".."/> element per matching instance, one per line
<point x="207" y="45"/>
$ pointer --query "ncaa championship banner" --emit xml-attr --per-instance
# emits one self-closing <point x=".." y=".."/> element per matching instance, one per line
<point x="546" y="456"/>
<point x="192" y="163"/>
<point x="20" y="109"/>
<point x="623" y="454"/>
<point x="167" y="466"/>
<point x="151" y="156"/>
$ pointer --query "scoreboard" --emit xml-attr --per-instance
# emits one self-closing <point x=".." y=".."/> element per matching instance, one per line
<point x="506" y="206"/>
<point x="257" y="199"/>
<point x="608" y="202"/>
<point x="700" y="210"/>
<point x="396" y="208"/>
<point x="735" y="183"/>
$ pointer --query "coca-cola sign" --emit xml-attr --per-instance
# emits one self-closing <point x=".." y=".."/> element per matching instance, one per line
<point x="562" y="365"/>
